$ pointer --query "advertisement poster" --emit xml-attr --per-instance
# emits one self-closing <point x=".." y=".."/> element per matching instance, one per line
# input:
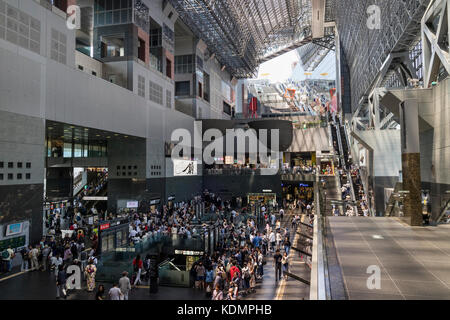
<point x="184" y="168"/>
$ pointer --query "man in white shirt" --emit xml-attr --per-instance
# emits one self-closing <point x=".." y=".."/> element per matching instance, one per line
<point x="272" y="240"/>
<point x="115" y="293"/>
<point x="133" y="233"/>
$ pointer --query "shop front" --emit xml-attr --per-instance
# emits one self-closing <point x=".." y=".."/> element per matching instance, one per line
<point x="113" y="235"/>
<point x="261" y="198"/>
<point x="295" y="192"/>
<point x="326" y="165"/>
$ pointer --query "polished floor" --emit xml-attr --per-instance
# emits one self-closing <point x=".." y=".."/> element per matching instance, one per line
<point x="414" y="262"/>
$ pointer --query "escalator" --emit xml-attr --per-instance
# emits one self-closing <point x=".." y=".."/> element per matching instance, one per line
<point x="344" y="144"/>
<point x="335" y="139"/>
<point x="97" y="187"/>
<point x="359" y="191"/>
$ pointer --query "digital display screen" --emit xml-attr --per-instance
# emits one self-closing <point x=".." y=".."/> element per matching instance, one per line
<point x="14" y="229"/>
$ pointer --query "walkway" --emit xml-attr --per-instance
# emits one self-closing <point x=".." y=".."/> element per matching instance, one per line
<point x="40" y="285"/>
<point x="414" y="262"/>
<point x="269" y="289"/>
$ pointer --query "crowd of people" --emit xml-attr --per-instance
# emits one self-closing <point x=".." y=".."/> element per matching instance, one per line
<point x="230" y="271"/>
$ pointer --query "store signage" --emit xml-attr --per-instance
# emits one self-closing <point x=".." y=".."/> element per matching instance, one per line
<point x="303" y="185"/>
<point x="171" y="198"/>
<point x="267" y="190"/>
<point x="132" y="204"/>
<point x="189" y="253"/>
<point x="14" y="229"/>
<point x="153" y="202"/>
<point x="95" y="198"/>
<point x="105" y="226"/>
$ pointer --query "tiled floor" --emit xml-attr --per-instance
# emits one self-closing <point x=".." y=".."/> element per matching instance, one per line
<point x="414" y="262"/>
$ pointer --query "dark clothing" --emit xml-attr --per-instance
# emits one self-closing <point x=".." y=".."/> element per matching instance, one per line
<point x="61" y="278"/>
<point x="277" y="257"/>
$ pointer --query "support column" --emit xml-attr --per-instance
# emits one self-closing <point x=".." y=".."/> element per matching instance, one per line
<point x="409" y="119"/>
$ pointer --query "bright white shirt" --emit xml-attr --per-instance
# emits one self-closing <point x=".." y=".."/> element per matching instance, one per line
<point x="272" y="237"/>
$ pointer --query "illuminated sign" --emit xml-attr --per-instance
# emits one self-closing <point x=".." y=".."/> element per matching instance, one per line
<point x="105" y="226"/>
<point x="95" y="198"/>
<point x="132" y="204"/>
<point x="14" y="229"/>
<point x="189" y="253"/>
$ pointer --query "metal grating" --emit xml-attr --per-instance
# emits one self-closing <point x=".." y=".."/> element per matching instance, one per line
<point x="366" y="50"/>
<point x="243" y="34"/>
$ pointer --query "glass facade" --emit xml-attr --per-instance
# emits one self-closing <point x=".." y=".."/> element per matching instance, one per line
<point x="58" y="148"/>
<point x="111" y="12"/>
<point x="184" y="64"/>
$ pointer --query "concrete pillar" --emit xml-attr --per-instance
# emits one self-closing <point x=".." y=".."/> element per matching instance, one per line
<point x="409" y="121"/>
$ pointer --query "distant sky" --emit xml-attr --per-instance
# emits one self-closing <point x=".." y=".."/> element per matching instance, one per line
<point x="288" y="66"/>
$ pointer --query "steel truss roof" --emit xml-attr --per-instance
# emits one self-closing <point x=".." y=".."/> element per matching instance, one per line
<point x="244" y="34"/>
<point x="366" y="50"/>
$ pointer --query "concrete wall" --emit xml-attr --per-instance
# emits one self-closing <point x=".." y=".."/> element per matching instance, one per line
<point x="89" y="64"/>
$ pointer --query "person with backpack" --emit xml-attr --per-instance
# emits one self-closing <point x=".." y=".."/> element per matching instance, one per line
<point x="7" y="256"/>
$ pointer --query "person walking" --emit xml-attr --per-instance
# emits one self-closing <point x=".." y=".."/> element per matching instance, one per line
<point x="7" y="256"/>
<point x="137" y="266"/>
<point x="45" y="254"/>
<point x="61" y="279"/>
<point x="287" y="245"/>
<point x="34" y="254"/>
<point x="115" y="293"/>
<point x="56" y="261"/>
<point x="272" y="240"/>
<point x="90" y="272"/>
<point x="25" y="259"/>
<point x="200" y="275"/>
<point x="277" y="264"/>
<point x="125" y="285"/>
<point x="285" y="265"/>
<point x="209" y="279"/>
